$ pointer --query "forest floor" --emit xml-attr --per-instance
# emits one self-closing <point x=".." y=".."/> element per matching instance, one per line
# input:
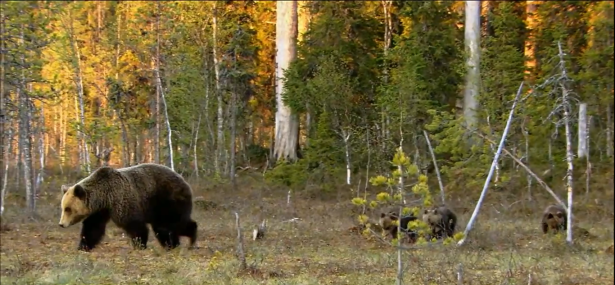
<point x="506" y="246"/>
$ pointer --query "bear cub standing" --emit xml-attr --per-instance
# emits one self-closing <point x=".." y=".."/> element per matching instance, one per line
<point x="131" y="197"/>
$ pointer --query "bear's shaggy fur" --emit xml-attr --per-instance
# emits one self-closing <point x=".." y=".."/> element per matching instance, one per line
<point x="131" y="197"/>
<point x="441" y="220"/>
<point x="387" y="222"/>
<point x="554" y="218"/>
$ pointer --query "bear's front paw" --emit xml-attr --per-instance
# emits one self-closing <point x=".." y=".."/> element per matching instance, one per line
<point x="84" y="247"/>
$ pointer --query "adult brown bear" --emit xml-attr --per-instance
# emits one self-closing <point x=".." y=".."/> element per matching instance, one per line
<point x="131" y="197"/>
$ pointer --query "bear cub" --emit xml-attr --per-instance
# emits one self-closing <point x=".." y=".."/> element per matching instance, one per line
<point x="441" y="220"/>
<point x="387" y="222"/>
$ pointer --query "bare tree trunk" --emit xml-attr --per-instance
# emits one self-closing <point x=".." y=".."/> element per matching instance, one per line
<point x="41" y="150"/>
<point x="206" y="105"/>
<point x="435" y="165"/>
<point x="85" y="155"/>
<point x="125" y="142"/>
<point x="25" y="138"/>
<point x="220" y="131"/>
<point x="388" y="35"/>
<point x="233" y="138"/>
<point x="196" y="140"/>
<point x="346" y="138"/>
<point x="369" y="158"/>
<point x="158" y="91"/>
<point x="526" y="134"/>
<point x="5" y="161"/>
<point x="63" y="132"/>
<point x="5" y="166"/>
<point x="286" y="124"/>
<point x="582" y="131"/>
<point x="161" y="92"/>
<point x="588" y="165"/>
<point x="168" y="124"/>
<point x="569" y="154"/>
<point x="493" y="164"/>
<point x="472" y="43"/>
<point x="609" y="131"/>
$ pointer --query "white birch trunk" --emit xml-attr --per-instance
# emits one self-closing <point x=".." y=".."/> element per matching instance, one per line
<point x="220" y="131"/>
<point x="6" y="156"/>
<point x="569" y="153"/>
<point x="164" y="101"/>
<point x="85" y="155"/>
<point x="25" y="139"/>
<point x="166" y="120"/>
<point x="3" y="152"/>
<point x="582" y="142"/>
<point x="196" y="140"/>
<point x="41" y="151"/>
<point x="158" y="91"/>
<point x="609" y="131"/>
<point x="493" y="165"/>
<point x="233" y="139"/>
<point x="472" y="48"/>
<point x="588" y="165"/>
<point x="286" y="123"/>
<point x="346" y="138"/>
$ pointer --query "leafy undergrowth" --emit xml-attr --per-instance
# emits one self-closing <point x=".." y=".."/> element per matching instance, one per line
<point x="318" y="248"/>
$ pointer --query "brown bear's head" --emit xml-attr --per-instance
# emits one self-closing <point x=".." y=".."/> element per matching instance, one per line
<point x="432" y="217"/>
<point x="73" y="206"/>
<point x="388" y="220"/>
<point x="556" y="219"/>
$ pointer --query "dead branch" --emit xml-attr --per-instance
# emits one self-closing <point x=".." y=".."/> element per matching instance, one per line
<point x="528" y="170"/>
<point x="435" y="164"/>
<point x="493" y="165"/>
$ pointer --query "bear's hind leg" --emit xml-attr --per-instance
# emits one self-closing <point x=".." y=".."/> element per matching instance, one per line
<point x="138" y="233"/>
<point x="189" y="230"/>
<point x="93" y="230"/>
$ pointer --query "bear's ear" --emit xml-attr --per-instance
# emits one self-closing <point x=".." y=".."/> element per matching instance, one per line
<point x="104" y="172"/>
<point x="426" y="211"/>
<point x="435" y="211"/>
<point x="560" y="214"/>
<point x="65" y="188"/>
<point x="382" y="215"/>
<point x="79" y="191"/>
<point x="549" y="216"/>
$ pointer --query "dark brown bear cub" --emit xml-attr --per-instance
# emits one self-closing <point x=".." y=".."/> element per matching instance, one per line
<point x="441" y="220"/>
<point x="554" y="218"/>
<point x="387" y="222"/>
<point x="131" y="197"/>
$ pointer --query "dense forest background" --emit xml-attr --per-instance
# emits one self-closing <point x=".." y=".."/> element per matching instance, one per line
<point x="192" y="85"/>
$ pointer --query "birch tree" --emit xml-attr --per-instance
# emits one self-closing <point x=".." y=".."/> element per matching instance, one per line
<point x="25" y="135"/>
<point x="472" y="47"/>
<point x="84" y="155"/>
<point x="5" y="165"/>
<point x="220" y="130"/>
<point x="286" y="123"/>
